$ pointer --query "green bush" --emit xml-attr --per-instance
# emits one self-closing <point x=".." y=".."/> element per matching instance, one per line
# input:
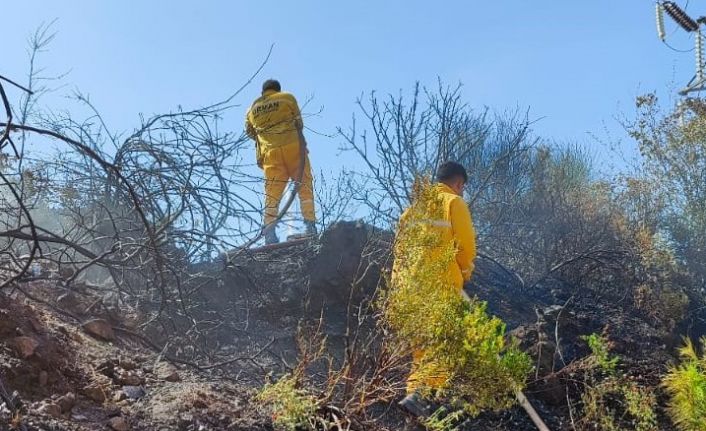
<point x="291" y="408"/>
<point x="611" y="401"/>
<point x="457" y="336"/>
<point x="443" y="420"/>
<point x="686" y="385"/>
<point x="600" y="354"/>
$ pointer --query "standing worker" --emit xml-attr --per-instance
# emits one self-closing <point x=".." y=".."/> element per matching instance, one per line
<point x="275" y="123"/>
<point x="457" y="226"/>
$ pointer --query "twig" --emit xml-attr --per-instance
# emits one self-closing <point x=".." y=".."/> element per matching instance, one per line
<point x="556" y="333"/>
<point x="9" y="81"/>
<point x="195" y="365"/>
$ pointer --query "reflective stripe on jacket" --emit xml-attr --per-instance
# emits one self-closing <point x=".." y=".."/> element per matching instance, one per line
<point x="456" y="226"/>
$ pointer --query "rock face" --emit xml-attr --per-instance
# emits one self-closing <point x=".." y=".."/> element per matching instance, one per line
<point x="307" y="276"/>
<point x="347" y="266"/>
<point x="99" y="328"/>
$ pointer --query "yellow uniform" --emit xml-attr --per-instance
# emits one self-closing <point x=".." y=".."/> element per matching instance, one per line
<point x="456" y="226"/>
<point x="275" y="122"/>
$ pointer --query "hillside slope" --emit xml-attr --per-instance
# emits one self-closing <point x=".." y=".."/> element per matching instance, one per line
<point x="67" y="379"/>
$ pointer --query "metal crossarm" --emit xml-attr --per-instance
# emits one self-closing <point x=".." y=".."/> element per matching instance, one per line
<point x="690" y="25"/>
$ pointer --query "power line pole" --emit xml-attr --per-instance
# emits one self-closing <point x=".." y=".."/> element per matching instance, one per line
<point x="690" y="25"/>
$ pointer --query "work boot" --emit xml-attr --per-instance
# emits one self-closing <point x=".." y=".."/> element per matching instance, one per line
<point x="271" y="236"/>
<point x="415" y="405"/>
<point x="311" y="228"/>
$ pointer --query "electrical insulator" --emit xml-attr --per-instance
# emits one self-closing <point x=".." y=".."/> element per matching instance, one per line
<point x="699" y="56"/>
<point x="680" y="17"/>
<point x="681" y="107"/>
<point x="659" y="9"/>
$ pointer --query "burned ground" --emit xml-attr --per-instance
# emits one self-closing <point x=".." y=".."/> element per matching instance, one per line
<point x="67" y="379"/>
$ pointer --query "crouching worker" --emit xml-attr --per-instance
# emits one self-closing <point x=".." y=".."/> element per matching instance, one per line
<point x="441" y="222"/>
<point x="275" y="123"/>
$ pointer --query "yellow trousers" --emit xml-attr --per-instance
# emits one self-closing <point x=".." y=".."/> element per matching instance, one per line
<point x="435" y="376"/>
<point x="282" y="164"/>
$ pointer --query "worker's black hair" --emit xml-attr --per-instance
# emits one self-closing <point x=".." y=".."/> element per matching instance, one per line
<point x="450" y="170"/>
<point x="271" y="84"/>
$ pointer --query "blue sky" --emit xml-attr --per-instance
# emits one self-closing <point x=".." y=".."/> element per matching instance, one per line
<point x="575" y="64"/>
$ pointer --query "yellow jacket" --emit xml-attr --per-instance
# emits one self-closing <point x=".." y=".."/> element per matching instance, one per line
<point x="274" y="120"/>
<point x="456" y="226"/>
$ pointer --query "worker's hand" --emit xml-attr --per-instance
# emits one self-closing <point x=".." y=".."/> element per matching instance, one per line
<point x="250" y="131"/>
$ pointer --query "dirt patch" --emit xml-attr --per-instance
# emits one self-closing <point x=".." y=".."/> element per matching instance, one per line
<point x="47" y="367"/>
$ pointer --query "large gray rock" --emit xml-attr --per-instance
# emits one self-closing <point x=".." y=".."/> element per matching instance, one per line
<point x="134" y="392"/>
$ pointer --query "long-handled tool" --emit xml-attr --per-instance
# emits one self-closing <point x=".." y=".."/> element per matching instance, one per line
<point x="520" y="396"/>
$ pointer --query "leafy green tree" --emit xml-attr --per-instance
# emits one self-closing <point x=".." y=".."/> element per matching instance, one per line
<point x="673" y="149"/>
